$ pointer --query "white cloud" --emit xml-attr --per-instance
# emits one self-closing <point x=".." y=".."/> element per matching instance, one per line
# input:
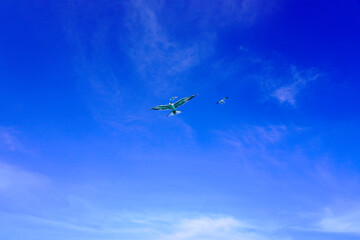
<point x="8" y="140"/>
<point x="347" y="223"/>
<point x="256" y="148"/>
<point x="286" y="94"/>
<point x="15" y="181"/>
<point x="159" y="59"/>
<point x="214" y="228"/>
<point x="215" y="14"/>
<point x="255" y="136"/>
<point x="164" y="227"/>
<point x="289" y="92"/>
<point x="163" y="60"/>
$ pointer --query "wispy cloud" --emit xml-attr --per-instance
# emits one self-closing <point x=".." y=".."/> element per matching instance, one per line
<point x="8" y="140"/>
<point x="299" y="79"/>
<point x="342" y="221"/>
<point x="159" y="227"/>
<point x="214" y="14"/>
<point x="347" y="223"/>
<point x="159" y="59"/>
<point x="162" y="58"/>
<point x="215" y="228"/>
<point x="19" y="183"/>
<point x="258" y="137"/>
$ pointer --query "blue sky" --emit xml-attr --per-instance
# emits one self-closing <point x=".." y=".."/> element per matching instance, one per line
<point x="83" y="157"/>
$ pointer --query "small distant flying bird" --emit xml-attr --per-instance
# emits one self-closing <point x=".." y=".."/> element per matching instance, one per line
<point x="173" y="98"/>
<point x="173" y="106"/>
<point x="222" y="101"/>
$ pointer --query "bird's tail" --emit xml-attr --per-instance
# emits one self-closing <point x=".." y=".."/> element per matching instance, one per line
<point x="174" y="113"/>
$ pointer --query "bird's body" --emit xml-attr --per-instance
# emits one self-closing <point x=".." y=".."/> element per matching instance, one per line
<point x="172" y="106"/>
<point x="173" y="110"/>
<point x="222" y="101"/>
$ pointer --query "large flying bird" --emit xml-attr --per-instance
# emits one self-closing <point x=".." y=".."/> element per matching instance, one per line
<point x="173" y="106"/>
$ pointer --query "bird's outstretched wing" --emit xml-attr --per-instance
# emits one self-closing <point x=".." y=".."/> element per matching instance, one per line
<point x="183" y="101"/>
<point x="161" y="107"/>
<point x="225" y="98"/>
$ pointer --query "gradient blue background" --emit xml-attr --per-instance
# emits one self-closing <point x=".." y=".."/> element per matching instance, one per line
<point x="83" y="157"/>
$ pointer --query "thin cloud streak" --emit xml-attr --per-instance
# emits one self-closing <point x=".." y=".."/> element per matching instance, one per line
<point x="167" y="227"/>
<point x="289" y="92"/>
<point x="163" y="62"/>
<point x="255" y="137"/>
<point x="17" y="182"/>
<point x="346" y="223"/>
<point x="9" y="140"/>
<point x="215" y="228"/>
<point x="159" y="60"/>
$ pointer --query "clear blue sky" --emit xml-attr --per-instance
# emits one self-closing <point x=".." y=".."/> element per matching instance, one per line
<point x="83" y="157"/>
